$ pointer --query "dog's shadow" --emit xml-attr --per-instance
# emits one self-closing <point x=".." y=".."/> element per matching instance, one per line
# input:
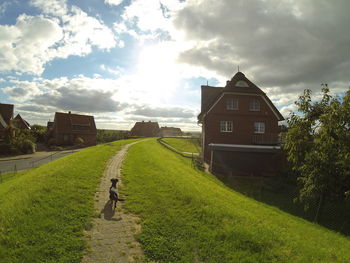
<point x="108" y="212"/>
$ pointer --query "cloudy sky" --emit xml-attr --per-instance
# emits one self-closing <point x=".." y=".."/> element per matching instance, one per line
<point x="130" y="60"/>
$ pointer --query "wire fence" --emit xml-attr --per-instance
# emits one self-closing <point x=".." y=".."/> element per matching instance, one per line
<point x="11" y="168"/>
<point x="196" y="160"/>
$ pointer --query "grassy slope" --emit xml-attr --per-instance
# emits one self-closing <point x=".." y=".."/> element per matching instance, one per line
<point x="183" y="145"/>
<point x="44" y="211"/>
<point x="188" y="215"/>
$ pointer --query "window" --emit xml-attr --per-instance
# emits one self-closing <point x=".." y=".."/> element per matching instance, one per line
<point x="259" y="127"/>
<point x="232" y="104"/>
<point x="226" y="126"/>
<point x="254" y="105"/>
<point x="242" y="83"/>
<point x="80" y="127"/>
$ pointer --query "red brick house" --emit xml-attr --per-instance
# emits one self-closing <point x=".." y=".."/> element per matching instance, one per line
<point x="6" y="117"/>
<point x="239" y="128"/>
<point x="67" y="127"/>
<point x="169" y="132"/>
<point x="145" y="129"/>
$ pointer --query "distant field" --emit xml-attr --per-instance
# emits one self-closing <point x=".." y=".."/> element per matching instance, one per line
<point x="184" y="145"/>
<point x="44" y="211"/>
<point x="190" y="216"/>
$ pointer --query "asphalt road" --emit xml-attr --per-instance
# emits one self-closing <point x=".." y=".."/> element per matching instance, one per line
<point x="24" y="162"/>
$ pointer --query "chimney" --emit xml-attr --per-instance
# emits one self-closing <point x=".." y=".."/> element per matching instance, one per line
<point x="69" y="112"/>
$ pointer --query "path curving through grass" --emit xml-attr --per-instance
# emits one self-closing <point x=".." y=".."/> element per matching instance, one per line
<point x="45" y="211"/>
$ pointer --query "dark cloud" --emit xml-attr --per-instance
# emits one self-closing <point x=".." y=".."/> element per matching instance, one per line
<point x="82" y="100"/>
<point x="290" y="44"/>
<point x="35" y="108"/>
<point x="162" y="112"/>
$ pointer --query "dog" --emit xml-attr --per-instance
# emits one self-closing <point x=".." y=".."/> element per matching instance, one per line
<point x="113" y="193"/>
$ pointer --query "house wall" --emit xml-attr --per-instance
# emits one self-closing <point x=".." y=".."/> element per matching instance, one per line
<point x="246" y="163"/>
<point x="69" y="138"/>
<point x="243" y="122"/>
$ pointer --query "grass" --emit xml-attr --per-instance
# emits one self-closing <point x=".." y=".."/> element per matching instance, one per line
<point x="190" y="216"/>
<point x="184" y="145"/>
<point x="281" y="191"/>
<point x="44" y="212"/>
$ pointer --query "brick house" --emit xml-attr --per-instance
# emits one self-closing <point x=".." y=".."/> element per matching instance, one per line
<point x="240" y="129"/>
<point x="145" y="129"/>
<point x="6" y="117"/>
<point x="169" y="131"/>
<point x="67" y="127"/>
<point x="21" y="123"/>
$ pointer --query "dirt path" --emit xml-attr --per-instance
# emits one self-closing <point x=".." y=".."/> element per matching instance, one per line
<point x="111" y="238"/>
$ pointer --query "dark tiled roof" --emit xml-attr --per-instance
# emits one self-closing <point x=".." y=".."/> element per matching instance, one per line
<point x="170" y="129"/>
<point x="21" y="123"/>
<point x="69" y="122"/>
<point x="240" y="84"/>
<point x="233" y="87"/>
<point x="145" y="129"/>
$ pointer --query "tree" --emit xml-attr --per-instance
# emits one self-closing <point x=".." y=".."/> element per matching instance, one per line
<point x="318" y="148"/>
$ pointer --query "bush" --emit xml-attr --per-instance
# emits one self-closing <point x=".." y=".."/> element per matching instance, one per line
<point x="27" y="146"/>
<point x="7" y="148"/>
<point x="52" y="142"/>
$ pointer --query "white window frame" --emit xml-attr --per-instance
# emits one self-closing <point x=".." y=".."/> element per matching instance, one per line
<point x="226" y="126"/>
<point x="259" y="127"/>
<point x="232" y="104"/>
<point x="254" y="105"/>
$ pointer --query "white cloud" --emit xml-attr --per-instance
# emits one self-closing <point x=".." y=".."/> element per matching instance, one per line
<point x="25" y="46"/>
<point x="52" y="7"/>
<point x="113" y="2"/>
<point x="35" y="40"/>
<point x="100" y="97"/>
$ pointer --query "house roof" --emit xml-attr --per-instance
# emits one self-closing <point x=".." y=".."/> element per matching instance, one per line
<point x="6" y="113"/>
<point x="238" y="84"/>
<point x="170" y="129"/>
<point x="143" y="128"/>
<point x="22" y="124"/>
<point x="64" y="122"/>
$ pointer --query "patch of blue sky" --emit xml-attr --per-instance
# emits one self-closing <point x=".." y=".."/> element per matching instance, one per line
<point x="91" y="63"/>
<point x="12" y="9"/>
<point x="109" y="14"/>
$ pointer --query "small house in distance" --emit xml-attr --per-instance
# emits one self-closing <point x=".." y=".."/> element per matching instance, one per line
<point x="169" y="132"/>
<point x="240" y="129"/>
<point x="145" y="129"/>
<point x="68" y="127"/>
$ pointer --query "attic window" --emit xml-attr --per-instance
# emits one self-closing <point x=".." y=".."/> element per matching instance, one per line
<point x="232" y="104"/>
<point x="254" y="105"/>
<point x="242" y="83"/>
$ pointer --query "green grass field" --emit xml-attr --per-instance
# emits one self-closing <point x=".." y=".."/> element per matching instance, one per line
<point x="44" y="212"/>
<point x="184" y="145"/>
<point x="190" y="216"/>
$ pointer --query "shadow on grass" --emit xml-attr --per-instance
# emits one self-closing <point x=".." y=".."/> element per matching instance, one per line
<point x="108" y="212"/>
<point x="281" y="192"/>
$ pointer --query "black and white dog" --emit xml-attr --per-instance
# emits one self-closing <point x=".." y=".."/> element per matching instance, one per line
<point x="113" y="193"/>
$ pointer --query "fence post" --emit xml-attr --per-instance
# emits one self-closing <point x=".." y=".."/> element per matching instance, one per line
<point x="0" y="177"/>
<point x="15" y="169"/>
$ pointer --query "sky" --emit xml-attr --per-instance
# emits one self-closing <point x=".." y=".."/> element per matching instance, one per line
<point x="131" y="60"/>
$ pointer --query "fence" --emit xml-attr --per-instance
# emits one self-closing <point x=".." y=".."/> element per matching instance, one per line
<point x="10" y="168"/>
<point x="195" y="158"/>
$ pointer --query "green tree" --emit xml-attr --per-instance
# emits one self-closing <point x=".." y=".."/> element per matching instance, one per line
<point x="318" y="148"/>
